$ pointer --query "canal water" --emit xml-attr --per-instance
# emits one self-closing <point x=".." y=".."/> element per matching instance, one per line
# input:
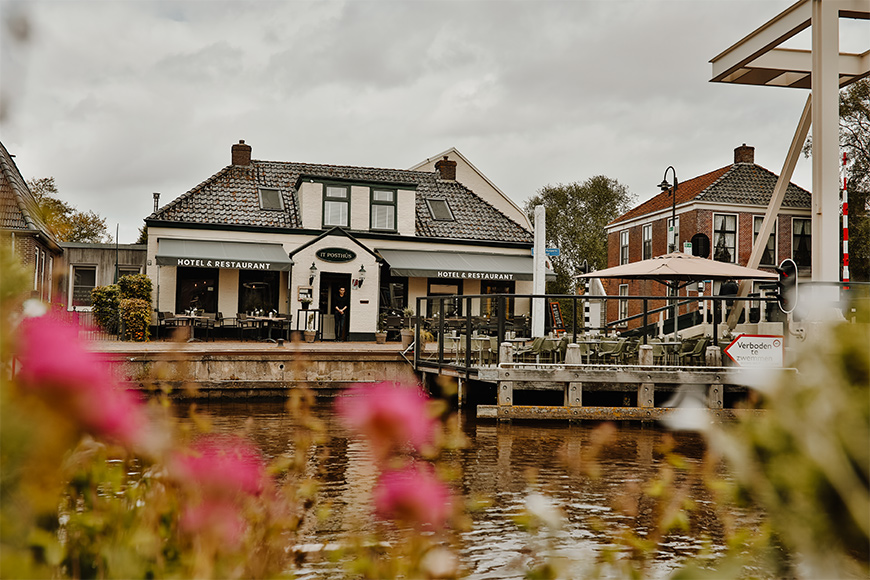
<point x="503" y="464"/>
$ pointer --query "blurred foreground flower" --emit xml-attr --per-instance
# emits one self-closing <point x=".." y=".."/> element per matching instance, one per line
<point x="219" y="473"/>
<point x="57" y="368"/>
<point x="389" y="415"/>
<point x="413" y="496"/>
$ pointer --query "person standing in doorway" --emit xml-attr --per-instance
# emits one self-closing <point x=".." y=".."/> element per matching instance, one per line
<point x="342" y="303"/>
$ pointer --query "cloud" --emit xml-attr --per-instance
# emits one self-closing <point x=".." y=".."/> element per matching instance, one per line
<point x="119" y="99"/>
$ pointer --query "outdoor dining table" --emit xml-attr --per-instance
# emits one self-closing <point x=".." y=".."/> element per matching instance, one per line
<point x="190" y="320"/>
<point x="269" y="321"/>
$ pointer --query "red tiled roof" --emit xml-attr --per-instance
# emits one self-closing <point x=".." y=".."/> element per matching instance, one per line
<point x="686" y="191"/>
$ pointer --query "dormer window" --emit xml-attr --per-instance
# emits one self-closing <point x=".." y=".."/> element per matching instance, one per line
<point x="383" y="209"/>
<point x="336" y="206"/>
<point x="440" y="210"/>
<point x="270" y="198"/>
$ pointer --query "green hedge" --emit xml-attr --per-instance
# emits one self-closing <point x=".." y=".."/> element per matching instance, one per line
<point x="135" y="286"/>
<point x="136" y="317"/>
<point x="105" y="306"/>
<point x="127" y="302"/>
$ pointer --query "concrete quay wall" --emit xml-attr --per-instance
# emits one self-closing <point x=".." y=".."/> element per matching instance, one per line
<point x="270" y="372"/>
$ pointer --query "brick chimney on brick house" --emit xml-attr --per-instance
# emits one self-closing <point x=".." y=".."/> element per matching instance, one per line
<point x="241" y="153"/>
<point x="744" y="154"/>
<point x="447" y="169"/>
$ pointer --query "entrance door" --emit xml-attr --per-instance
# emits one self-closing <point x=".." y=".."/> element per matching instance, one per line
<point x="329" y="287"/>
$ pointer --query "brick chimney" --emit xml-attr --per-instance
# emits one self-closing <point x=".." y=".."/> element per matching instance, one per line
<point x="744" y="154"/>
<point x="447" y="169"/>
<point x="241" y="153"/>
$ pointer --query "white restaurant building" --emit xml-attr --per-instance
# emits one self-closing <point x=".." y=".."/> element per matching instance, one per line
<point x="261" y="235"/>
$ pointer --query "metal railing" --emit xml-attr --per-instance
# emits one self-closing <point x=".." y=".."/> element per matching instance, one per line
<point x="463" y="332"/>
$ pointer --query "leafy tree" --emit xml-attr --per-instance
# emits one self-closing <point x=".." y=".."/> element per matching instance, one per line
<point x="143" y="235"/>
<point x="576" y="216"/>
<point x="855" y="142"/>
<point x="67" y="223"/>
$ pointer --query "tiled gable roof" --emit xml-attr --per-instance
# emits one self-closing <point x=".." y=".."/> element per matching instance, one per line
<point x="231" y="197"/>
<point x="18" y="208"/>
<point x="686" y="191"/>
<point x="739" y="184"/>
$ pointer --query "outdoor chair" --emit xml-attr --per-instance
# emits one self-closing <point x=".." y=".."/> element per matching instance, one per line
<point x="561" y="349"/>
<point x="207" y="324"/>
<point x="167" y="320"/>
<point x="530" y="353"/>
<point x="245" y="324"/>
<point x="586" y="352"/>
<point x="659" y="352"/>
<point x="696" y="354"/>
<point x="614" y="354"/>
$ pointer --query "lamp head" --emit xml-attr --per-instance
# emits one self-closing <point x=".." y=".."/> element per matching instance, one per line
<point x="664" y="185"/>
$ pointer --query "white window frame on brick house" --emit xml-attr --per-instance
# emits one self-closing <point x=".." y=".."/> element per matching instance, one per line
<point x="623" y="247"/>
<point x="646" y="246"/>
<point x="715" y="239"/>
<point x="623" y="304"/>
<point x="804" y="220"/>
<point x="757" y="220"/>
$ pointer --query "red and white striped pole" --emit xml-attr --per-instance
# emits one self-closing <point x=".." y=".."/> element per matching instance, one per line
<point x="845" y="224"/>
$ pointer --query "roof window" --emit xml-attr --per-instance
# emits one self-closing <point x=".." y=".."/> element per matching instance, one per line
<point x="270" y="198"/>
<point x="440" y="210"/>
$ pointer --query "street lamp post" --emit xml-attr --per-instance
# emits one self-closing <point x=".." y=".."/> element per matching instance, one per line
<point x="672" y="241"/>
<point x="665" y="186"/>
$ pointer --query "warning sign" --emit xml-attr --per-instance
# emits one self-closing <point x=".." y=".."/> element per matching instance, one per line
<point x="756" y="350"/>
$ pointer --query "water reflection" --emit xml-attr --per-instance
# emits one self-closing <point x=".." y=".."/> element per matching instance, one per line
<point x="504" y="462"/>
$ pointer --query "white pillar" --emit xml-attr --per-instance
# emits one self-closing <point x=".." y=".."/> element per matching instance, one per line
<point x="825" y="127"/>
<point x="540" y="273"/>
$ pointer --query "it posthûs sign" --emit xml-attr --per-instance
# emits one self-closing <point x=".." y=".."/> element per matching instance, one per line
<point x="756" y="350"/>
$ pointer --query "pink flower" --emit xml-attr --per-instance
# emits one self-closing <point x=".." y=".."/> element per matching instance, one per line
<point x="220" y="519"/>
<point x="389" y="415"/>
<point x="56" y="367"/>
<point x="222" y="464"/>
<point x="412" y="495"/>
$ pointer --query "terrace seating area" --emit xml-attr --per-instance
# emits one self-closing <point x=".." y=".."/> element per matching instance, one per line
<point x="480" y="349"/>
<point x="202" y="326"/>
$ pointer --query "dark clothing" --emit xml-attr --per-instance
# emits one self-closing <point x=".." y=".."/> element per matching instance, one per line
<point x="340" y="306"/>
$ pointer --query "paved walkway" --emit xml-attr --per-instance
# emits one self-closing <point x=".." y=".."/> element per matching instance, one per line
<point x="113" y="346"/>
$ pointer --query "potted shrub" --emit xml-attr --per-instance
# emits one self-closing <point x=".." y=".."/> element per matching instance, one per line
<point x="381" y="334"/>
<point x="408" y="331"/>
<point x="306" y="302"/>
<point x="310" y="334"/>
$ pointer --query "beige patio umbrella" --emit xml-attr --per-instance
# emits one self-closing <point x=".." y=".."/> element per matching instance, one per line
<point x="676" y="267"/>
<point x="679" y="267"/>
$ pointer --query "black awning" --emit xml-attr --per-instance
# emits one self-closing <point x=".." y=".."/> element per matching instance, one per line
<point x="217" y="254"/>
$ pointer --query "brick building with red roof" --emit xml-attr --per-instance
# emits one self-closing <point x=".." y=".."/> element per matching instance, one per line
<point x="719" y="213"/>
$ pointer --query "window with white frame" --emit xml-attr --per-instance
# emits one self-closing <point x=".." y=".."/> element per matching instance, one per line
<point x="623" y="247"/>
<point x="647" y="241"/>
<point x="768" y="255"/>
<point x="623" y="304"/>
<point x="725" y="237"/>
<point x="801" y="242"/>
<point x="383" y="209"/>
<point x="84" y="279"/>
<point x="336" y="206"/>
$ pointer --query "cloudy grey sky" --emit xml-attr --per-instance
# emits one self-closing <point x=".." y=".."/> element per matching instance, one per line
<point x="117" y="100"/>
